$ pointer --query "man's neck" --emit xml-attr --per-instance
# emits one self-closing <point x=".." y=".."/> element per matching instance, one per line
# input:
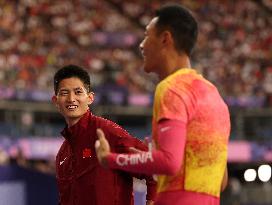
<point x="174" y="64"/>
<point x="70" y="123"/>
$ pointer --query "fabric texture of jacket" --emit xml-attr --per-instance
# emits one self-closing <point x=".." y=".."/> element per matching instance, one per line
<point x="80" y="178"/>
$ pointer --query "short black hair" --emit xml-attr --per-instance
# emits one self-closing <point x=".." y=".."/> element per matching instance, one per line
<point x="182" y="25"/>
<point x="70" y="71"/>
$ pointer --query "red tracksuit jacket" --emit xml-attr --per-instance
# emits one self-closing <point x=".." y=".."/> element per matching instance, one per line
<point x="81" y="180"/>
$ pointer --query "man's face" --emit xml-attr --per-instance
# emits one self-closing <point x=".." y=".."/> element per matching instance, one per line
<point x="72" y="99"/>
<point x="151" y="47"/>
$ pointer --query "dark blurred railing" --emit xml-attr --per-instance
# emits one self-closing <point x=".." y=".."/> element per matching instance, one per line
<point x="42" y="119"/>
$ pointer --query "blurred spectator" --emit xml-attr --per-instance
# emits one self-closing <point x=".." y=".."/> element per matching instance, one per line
<point x="20" y="159"/>
<point x="4" y="158"/>
<point x="37" y="37"/>
<point x="235" y="191"/>
<point x="45" y="166"/>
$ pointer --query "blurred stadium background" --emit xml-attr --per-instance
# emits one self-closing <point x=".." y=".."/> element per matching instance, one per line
<point x="39" y="36"/>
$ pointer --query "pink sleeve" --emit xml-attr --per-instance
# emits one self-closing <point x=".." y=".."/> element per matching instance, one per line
<point x="165" y="160"/>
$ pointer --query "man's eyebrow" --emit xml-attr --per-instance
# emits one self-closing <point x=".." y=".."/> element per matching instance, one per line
<point x="79" y="88"/>
<point x="74" y="89"/>
<point x="63" y="89"/>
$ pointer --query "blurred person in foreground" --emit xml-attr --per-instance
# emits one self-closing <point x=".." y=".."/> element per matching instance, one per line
<point x="191" y="122"/>
<point x="81" y="180"/>
<point x="4" y="158"/>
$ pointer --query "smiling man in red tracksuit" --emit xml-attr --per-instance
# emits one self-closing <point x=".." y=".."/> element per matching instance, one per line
<point x="81" y="180"/>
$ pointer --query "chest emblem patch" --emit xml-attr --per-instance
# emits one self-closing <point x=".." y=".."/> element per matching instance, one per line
<point x="86" y="153"/>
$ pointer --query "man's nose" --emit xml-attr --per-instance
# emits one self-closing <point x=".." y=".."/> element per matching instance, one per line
<point x="71" y="97"/>
<point x="141" y="46"/>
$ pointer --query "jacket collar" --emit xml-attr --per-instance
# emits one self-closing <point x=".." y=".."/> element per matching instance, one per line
<point x="70" y="133"/>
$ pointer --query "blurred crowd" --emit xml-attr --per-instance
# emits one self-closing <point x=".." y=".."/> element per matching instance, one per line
<point x="46" y="166"/>
<point x="15" y="153"/>
<point x="39" y="36"/>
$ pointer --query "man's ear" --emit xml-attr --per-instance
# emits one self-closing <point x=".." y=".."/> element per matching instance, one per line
<point x="54" y="100"/>
<point x="91" y="98"/>
<point x="167" y="38"/>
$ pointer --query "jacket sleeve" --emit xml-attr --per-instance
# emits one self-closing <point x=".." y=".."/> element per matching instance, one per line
<point x="167" y="159"/>
<point x="122" y="144"/>
<point x="151" y="184"/>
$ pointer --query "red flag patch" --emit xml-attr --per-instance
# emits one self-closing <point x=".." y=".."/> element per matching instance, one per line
<point x="86" y="153"/>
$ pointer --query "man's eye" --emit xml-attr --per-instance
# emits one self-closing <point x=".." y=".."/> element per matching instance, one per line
<point x="78" y="92"/>
<point x="63" y="93"/>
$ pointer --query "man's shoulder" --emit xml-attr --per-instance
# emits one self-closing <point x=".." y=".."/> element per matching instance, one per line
<point x="112" y="129"/>
<point x="104" y="123"/>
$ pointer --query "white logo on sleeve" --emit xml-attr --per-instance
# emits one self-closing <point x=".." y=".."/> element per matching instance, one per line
<point x="61" y="162"/>
<point x="163" y="129"/>
<point x="123" y="160"/>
